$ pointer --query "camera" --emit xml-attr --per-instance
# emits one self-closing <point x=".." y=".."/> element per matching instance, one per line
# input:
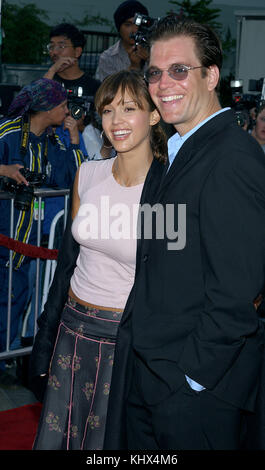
<point x="145" y="24"/>
<point x="238" y="104"/>
<point x="78" y="103"/>
<point x="241" y="103"/>
<point x="23" y="194"/>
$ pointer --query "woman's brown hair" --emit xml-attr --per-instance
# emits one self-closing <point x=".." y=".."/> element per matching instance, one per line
<point x="134" y="83"/>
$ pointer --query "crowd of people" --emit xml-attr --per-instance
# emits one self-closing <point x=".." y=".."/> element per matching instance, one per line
<point x="252" y="120"/>
<point x="151" y="337"/>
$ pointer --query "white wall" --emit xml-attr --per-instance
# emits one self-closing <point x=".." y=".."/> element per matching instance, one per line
<point x="250" y="51"/>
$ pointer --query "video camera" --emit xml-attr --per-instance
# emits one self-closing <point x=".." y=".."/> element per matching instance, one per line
<point x="78" y="103"/>
<point x="23" y="194"/>
<point x="145" y="24"/>
<point x="238" y="102"/>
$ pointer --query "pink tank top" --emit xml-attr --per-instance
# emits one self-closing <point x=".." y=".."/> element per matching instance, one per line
<point x="106" y="229"/>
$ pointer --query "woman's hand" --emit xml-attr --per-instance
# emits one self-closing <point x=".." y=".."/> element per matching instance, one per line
<point x="72" y="125"/>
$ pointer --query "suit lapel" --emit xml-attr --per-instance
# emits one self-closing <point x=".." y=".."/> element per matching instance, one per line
<point x="192" y="147"/>
<point x="149" y="195"/>
<point x="152" y="182"/>
<point x="181" y="160"/>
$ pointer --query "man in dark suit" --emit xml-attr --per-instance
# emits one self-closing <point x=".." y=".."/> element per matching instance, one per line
<point x="190" y="343"/>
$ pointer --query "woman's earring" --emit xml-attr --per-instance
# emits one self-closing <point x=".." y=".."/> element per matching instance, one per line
<point x="104" y="138"/>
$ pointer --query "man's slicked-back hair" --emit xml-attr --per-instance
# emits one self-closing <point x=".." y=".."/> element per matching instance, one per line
<point x="207" y="43"/>
<point x="71" y="32"/>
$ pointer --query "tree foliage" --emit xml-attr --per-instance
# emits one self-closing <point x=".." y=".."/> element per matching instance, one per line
<point x="199" y="11"/>
<point x="25" y="33"/>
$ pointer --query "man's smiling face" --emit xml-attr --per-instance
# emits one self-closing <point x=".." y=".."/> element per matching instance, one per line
<point x="183" y="103"/>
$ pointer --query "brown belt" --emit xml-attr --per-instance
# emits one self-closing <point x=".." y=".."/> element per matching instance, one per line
<point x="87" y="304"/>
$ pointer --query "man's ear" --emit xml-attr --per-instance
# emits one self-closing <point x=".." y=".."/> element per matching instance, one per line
<point x="213" y="75"/>
<point x="154" y="117"/>
<point x="78" y="52"/>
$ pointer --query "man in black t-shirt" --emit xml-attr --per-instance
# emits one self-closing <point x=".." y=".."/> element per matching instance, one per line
<point x="65" y="49"/>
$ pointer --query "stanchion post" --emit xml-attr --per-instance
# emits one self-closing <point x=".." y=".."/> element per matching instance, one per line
<point x="66" y="200"/>
<point x="10" y="279"/>
<point x="37" y="279"/>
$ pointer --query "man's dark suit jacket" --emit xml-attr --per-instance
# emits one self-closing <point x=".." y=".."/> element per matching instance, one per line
<point x="191" y="310"/>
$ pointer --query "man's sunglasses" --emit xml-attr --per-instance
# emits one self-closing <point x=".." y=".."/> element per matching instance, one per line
<point x="175" y="71"/>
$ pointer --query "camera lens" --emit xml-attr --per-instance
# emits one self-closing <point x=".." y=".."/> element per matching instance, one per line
<point x="76" y="111"/>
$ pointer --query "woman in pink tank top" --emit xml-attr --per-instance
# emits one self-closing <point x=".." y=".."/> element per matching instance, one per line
<point x="79" y="375"/>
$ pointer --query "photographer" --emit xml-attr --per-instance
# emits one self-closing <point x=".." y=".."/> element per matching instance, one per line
<point x="65" y="49"/>
<point x="123" y="54"/>
<point x="27" y="140"/>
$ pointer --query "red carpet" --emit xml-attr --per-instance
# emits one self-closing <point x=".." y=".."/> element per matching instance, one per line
<point x="18" y="427"/>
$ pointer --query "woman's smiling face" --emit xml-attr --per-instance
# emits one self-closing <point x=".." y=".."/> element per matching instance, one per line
<point x="126" y="125"/>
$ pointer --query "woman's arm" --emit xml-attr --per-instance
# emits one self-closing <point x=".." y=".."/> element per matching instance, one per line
<point x="76" y="198"/>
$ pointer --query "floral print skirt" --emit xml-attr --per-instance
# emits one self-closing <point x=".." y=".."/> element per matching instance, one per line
<point x="76" y="399"/>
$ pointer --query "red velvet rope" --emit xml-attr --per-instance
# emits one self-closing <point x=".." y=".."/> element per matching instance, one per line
<point x="28" y="250"/>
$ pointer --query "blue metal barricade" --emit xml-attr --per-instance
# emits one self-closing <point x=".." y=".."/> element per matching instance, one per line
<point x="40" y="295"/>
